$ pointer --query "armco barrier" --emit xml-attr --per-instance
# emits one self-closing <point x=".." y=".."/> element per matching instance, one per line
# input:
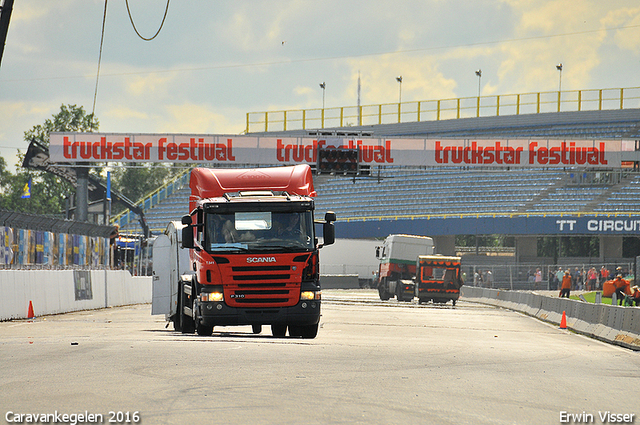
<point x="61" y="291"/>
<point x="610" y="323"/>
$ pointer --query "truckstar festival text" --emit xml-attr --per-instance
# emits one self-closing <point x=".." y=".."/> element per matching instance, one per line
<point x="92" y="147"/>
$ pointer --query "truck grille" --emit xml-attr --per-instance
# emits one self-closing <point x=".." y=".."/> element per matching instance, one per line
<point x="262" y="286"/>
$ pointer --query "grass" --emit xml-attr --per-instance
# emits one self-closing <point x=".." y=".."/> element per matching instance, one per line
<point x="591" y="298"/>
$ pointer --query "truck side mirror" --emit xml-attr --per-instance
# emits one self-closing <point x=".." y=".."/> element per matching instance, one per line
<point x="328" y="233"/>
<point x="330" y="216"/>
<point x="187" y="232"/>
<point x="187" y="237"/>
<point x="377" y="252"/>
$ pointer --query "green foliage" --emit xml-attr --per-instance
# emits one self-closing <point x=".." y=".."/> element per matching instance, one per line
<point x="137" y="182"/>
<point x="574" y="246"/>
<point x="48" y="191"/>
<point x="70" y="118"/>
<point x="485" y="240"/>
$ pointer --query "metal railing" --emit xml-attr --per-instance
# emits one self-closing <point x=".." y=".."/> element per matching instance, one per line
<point x="435" y="110"/>
<point x="152" y="199"/>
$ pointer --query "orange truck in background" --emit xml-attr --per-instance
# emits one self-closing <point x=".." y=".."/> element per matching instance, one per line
<point x="438" y="279"/>
<point x="253" y="253"/>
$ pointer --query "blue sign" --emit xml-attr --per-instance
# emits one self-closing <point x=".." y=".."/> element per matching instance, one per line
<point x="515" y="225"/>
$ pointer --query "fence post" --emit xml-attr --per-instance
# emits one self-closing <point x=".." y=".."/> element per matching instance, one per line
<point x="511" y="276"/>
<point x="621" y="98"/>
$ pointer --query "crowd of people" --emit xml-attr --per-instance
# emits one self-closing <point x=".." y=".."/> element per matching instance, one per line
<point x="565" y="279"/>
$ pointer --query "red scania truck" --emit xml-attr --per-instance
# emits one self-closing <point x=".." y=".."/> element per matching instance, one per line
<point x="253" y="253"/>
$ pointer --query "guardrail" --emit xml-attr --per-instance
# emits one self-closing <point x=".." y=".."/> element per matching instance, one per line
<point x="611" y="323"/>
<point x="152" y="199"/>
<point x="435" y="110"/>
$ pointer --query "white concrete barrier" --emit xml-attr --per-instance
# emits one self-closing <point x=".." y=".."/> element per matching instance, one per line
<point x="61" y="291"/>
<point x="611" y="323"/>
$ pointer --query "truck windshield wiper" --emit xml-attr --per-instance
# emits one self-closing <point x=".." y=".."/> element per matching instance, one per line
<point x="279" y="247"/>
<point x="229" y="247"/>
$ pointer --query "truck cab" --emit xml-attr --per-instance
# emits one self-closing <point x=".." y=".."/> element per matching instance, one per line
<point x="397" y="268"/>
<point x="254" y="251"/>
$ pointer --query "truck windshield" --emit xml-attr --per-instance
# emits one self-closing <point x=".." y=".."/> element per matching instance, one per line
<point x="259" y="231"/>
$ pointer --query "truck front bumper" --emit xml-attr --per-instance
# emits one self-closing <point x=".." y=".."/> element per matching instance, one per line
<point x="212" y="313"/>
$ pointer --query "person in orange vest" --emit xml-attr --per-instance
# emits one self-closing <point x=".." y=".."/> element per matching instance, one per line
<point x="565" y="292"/>
<point x="635" y="296"/>
<point x="620" y="285"/>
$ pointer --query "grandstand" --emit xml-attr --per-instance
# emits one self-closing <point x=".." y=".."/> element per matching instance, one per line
<point x="446" y="201"/>
<point x="392" y="192"/>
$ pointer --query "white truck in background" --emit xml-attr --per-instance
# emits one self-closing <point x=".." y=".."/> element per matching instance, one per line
<point x="398" y="256"/>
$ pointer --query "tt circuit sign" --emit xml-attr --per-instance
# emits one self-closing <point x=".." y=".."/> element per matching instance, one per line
<point x="176" y="148"/>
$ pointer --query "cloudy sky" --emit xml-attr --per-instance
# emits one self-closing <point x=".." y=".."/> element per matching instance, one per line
<point x="215" y="60"/>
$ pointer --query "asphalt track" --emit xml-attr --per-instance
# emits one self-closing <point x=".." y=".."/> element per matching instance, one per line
<point x="373" y="362"/>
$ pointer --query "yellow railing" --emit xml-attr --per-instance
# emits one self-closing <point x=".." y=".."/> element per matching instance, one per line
<point x="151" y="199"/>
<point x="434" y="110"/>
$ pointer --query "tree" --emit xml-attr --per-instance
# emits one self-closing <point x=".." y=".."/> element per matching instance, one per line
<point x="48" y="192"/>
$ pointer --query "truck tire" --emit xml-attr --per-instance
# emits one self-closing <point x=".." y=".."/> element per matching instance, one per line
<point x="204" y="330"/>
<point x="382" y="290"/>
<point x="309" y="331"/>
<point x="187" y="325"/>
<point x="279" y="331"/>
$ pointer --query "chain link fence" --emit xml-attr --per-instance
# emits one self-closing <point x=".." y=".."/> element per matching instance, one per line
<point x="544" y="277"/>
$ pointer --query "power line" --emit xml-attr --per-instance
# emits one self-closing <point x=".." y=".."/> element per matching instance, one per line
<point x="329" y="58"/>
<point x="95" y="94"/>
<point x="136" y="29"/>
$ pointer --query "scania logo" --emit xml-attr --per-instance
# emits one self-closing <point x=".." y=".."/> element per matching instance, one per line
<point x="261" y="259"/>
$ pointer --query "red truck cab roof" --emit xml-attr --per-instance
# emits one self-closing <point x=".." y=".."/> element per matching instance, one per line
<point x="213" y="183"/>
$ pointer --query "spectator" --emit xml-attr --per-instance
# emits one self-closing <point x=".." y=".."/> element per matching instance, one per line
<point x="489" y="279"/>
<point x="635" y="295"/>
<point x="604" y="276"/>
<point x="592" y="278"/>
<point x="553" y="280"/>
<point x="538" y="279"/>
<point x="560" y="276"/>
<point x="565" y="292"/>
<point x="577" y="279"/>
<point x="620" y="284"/>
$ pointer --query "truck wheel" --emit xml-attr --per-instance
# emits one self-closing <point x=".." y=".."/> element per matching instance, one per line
<point x="204" y="330"/>
<point x="309" y="331"/>
<point x="295" y="331"/>
<point x="176" y="322"/>
<point x="279" y="331"/>
<point x="382" y="290"/>
<point x="187" y="325"/>
<point x="256" y="329"/>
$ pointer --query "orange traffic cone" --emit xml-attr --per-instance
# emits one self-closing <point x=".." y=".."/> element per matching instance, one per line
<point x="563" y="322"/>
<point x="30" y="314"/>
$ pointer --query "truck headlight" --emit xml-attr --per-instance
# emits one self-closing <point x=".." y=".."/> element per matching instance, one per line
<point x="310" y="295"/>
<point x="212" y="296"/>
